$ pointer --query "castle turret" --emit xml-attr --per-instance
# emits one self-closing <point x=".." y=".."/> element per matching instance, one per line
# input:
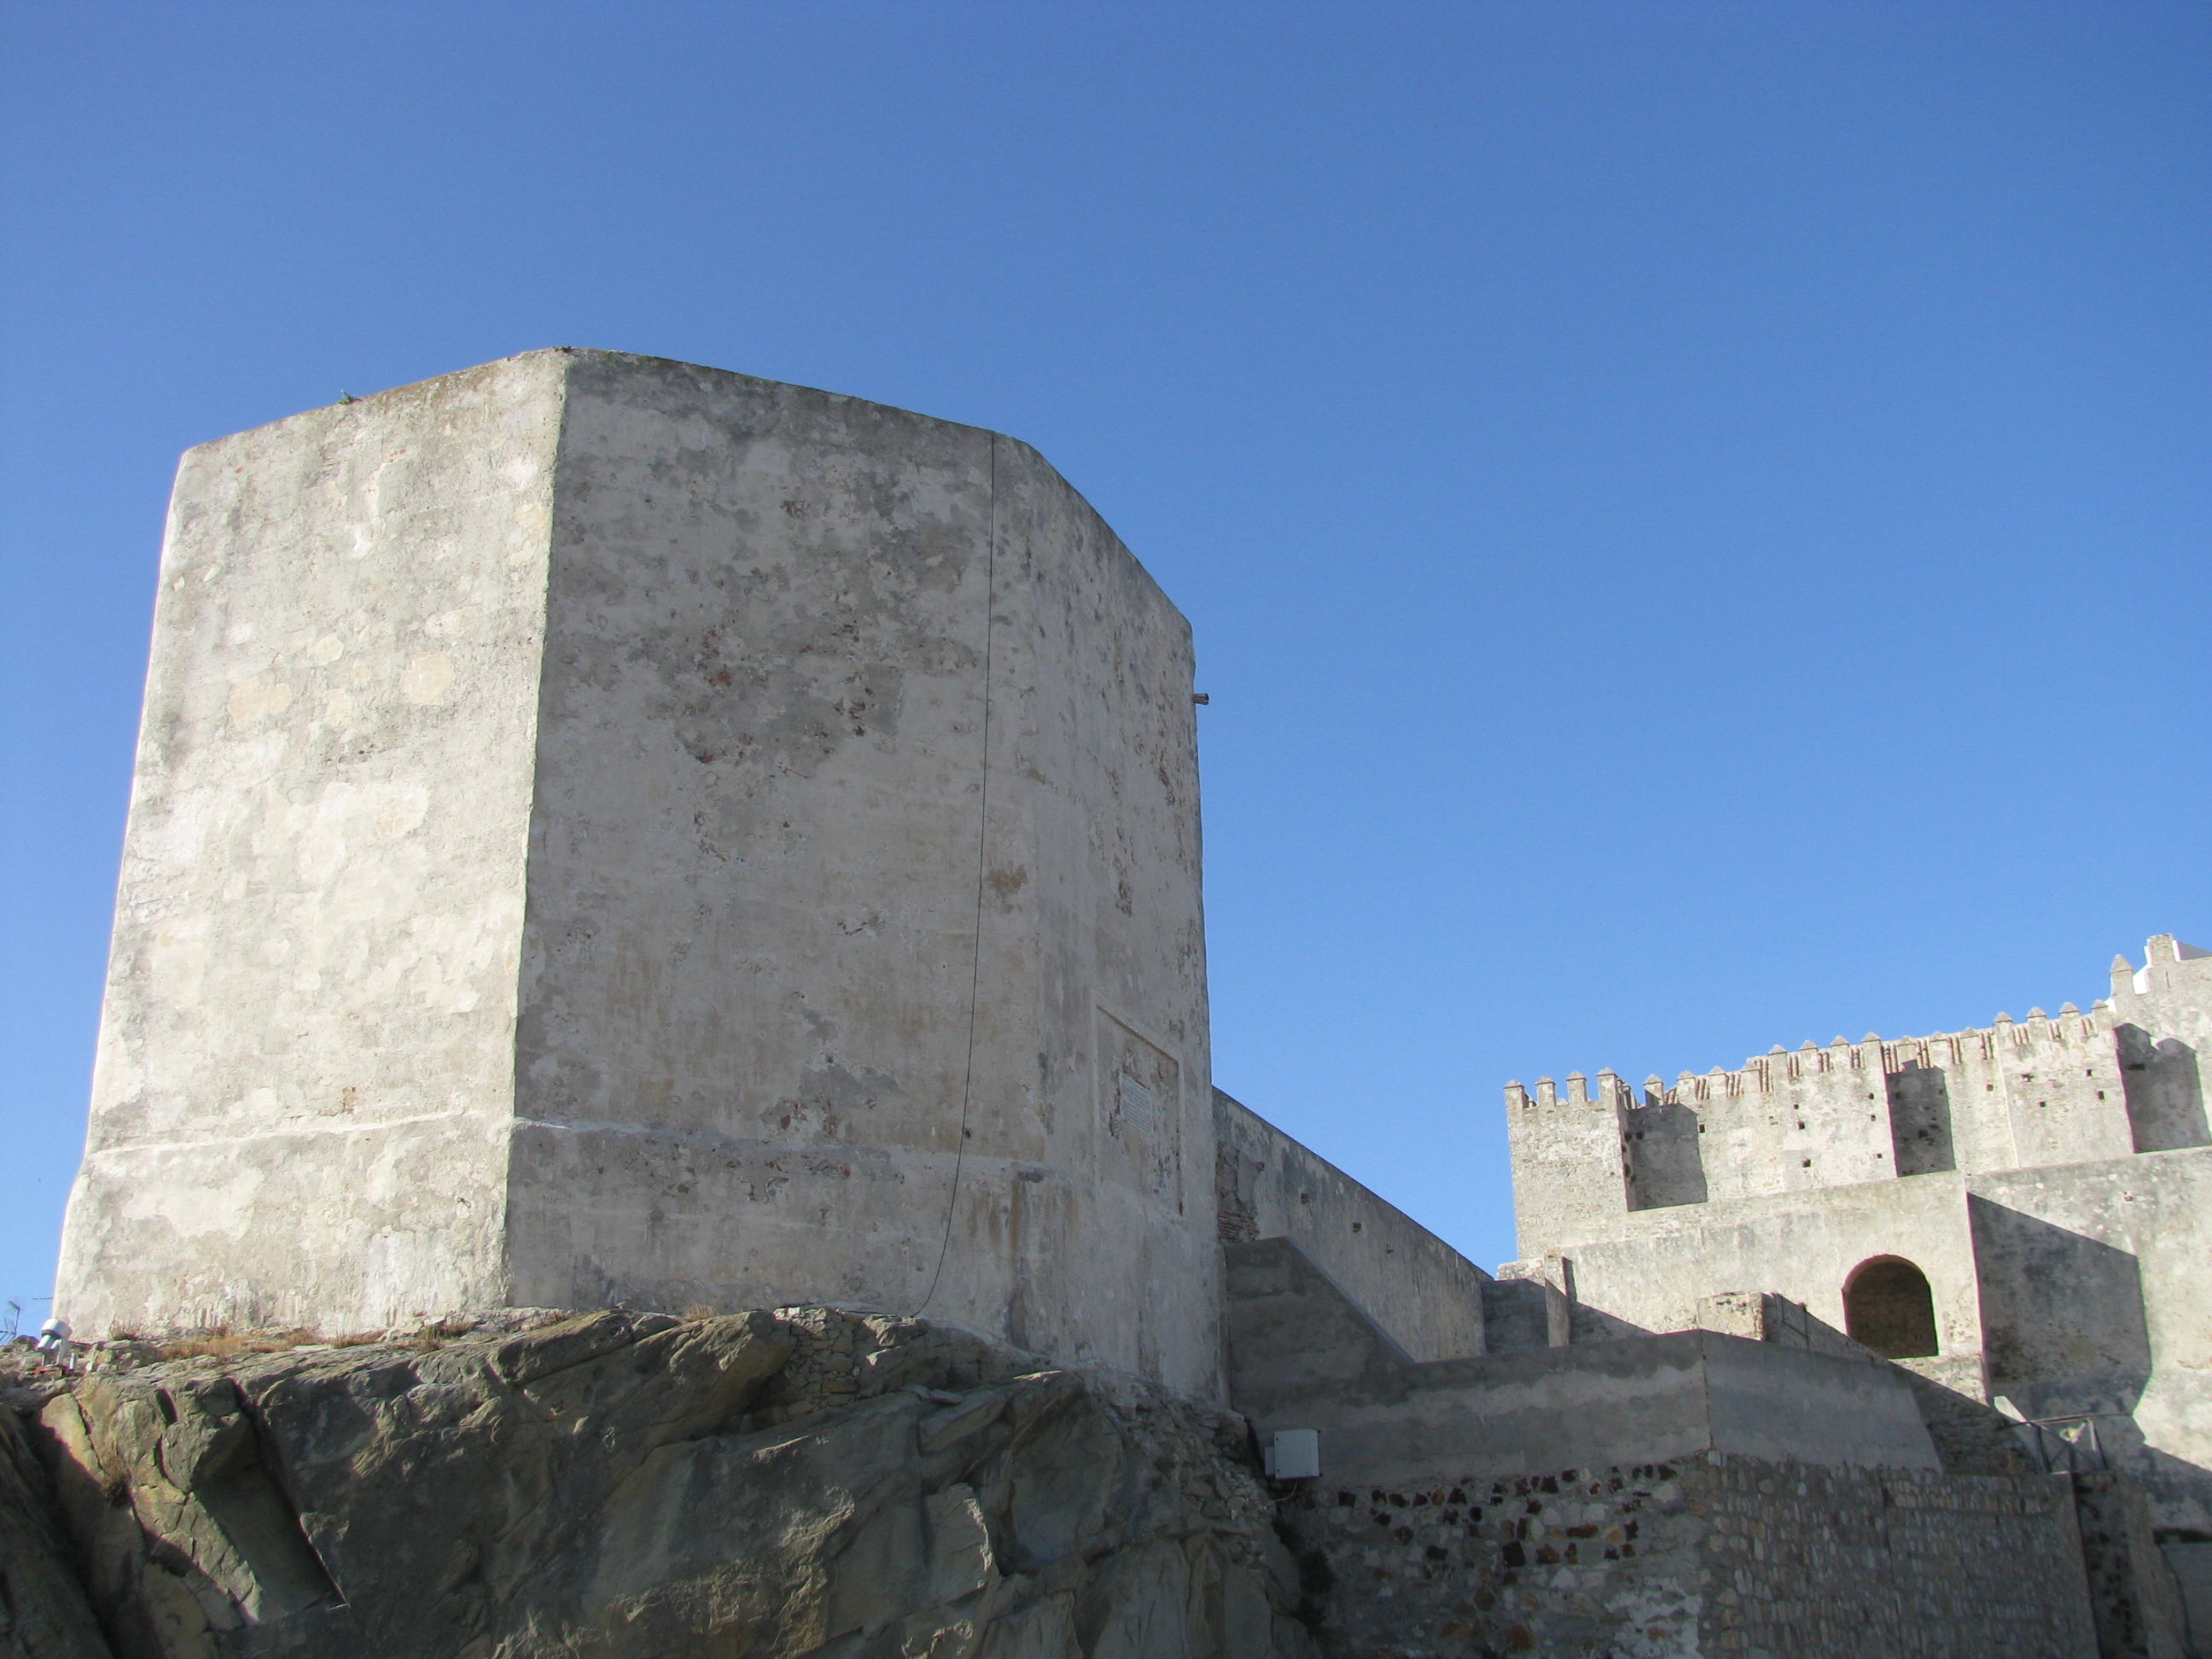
<point x="608" y="830"/>
<point x="2161" y="1016"/>
<point x="1570" y="1171"/>
<point x="2051" y="1090"/>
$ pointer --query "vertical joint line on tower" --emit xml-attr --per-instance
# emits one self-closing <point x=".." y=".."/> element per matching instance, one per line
<point x="982" y="850"/>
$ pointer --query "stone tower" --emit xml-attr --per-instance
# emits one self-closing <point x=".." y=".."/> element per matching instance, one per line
<point x="609" y="830"/>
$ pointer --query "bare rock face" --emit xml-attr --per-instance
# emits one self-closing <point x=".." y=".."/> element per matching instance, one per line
<point x="43" y="1611"/>
<point x="805" y="1482"/>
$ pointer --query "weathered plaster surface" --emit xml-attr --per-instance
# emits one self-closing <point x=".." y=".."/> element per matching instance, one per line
<point x="565" y="867"/>
<point x="753" y="1004"/>
<point x="305" y="1054"/>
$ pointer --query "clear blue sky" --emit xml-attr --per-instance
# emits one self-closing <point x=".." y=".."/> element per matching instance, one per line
<point x="1695" y="515"/>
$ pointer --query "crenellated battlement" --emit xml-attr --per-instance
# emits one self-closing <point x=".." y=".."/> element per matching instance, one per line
<point x="1612" y="1090"/>
<point x="2070" y="1029"/>
<point x="1779" y="1068"/>
<point x="2051" y="1089"/>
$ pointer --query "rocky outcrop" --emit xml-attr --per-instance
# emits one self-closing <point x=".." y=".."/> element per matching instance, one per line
<point x="802" y="1482"/>
<point x="43" y="1611"/>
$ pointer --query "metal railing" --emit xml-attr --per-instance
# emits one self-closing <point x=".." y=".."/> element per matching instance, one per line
<point x="2064" y="1445"/>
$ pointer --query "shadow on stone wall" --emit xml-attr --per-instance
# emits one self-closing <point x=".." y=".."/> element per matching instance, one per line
<point x="1588" y="1324"/>
<point x="2065" y="1334"/>
<point x="2165" y="1091"/>
<point x="1666" y="1158"/>
<point x="2181" y="1489"/>
<point x="2063" y="1327"/>
<point x="1920" y="1119"/>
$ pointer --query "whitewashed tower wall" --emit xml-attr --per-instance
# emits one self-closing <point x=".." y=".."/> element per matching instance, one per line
<point x="611" y="829"/>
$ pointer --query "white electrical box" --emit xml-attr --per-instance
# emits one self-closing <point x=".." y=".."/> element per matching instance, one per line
<point x="1292" y="1454"/>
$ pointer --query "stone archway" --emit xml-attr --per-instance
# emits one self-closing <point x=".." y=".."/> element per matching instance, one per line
<point x="1888" y="1307"/>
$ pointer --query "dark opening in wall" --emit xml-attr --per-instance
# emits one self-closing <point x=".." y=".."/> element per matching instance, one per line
<point x="1887" y="1306"/>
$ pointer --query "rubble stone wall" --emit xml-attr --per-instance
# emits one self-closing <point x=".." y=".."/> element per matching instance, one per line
<point x="1727" y="1556"/>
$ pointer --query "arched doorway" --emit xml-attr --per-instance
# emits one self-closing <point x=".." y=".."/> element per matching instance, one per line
<point x="1888" y="1306"/>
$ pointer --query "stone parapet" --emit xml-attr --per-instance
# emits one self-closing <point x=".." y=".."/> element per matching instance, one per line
<point x="1431" y="1298"/>
<point x="1301" y="1356"/>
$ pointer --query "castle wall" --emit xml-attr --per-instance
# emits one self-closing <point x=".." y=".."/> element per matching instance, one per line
<point x="2162" y="1019"/>
<point x="2052" y="1181"/>
<point x="763" y="842"/>
<point x="2127" y="1077"/>
<point x="1651" y="1274"/>
<point x="2043" y="1091"/>
<point x="1426" y="1295"/>
<point x="1667" y="1496"/>
<point x="305" y="1066"/>
<point x="1673" y="1559"/>
<point x="1303" y="1356"/>
<point x="2098" y="1300"/>
<point x="611" y="829"/>
<point x="1789" y="1122"/>
<point x="1569" y="1172"/>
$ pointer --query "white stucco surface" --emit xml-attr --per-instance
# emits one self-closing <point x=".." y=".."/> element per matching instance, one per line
<point x="611" y="829"/>
<point x="305" y="1067"/>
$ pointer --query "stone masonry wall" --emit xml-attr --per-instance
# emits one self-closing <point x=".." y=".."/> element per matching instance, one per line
<point x="1801" y="1561"/>
<point x="1581" y="1561"/>
<point x="2133" y="1596"/>
<point x="2126" y="1076"/>
<point x="1428" y="1296"/>
<point x="1734" y="1557"/>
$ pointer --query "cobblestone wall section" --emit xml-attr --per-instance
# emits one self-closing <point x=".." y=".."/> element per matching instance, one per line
<point x="1847" y="1561"/>
<point x="1597" y="1561"/>
<point x="1737" y="1560"/>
